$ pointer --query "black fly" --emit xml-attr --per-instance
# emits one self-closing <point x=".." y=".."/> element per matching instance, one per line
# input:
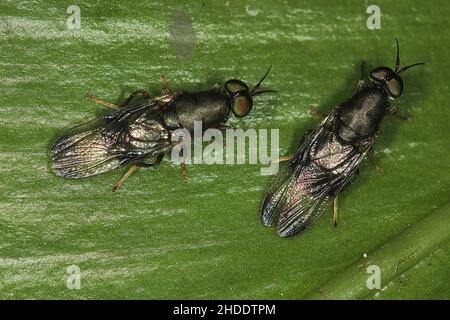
<point x="141" y="130"/>
<point x="329" y="156"/>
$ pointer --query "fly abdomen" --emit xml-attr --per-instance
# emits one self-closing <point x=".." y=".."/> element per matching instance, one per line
<point x="331" y="154"/>
<point x="145" y="133"/>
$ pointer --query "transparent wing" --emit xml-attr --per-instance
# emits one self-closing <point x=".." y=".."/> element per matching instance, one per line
<point x="298" y="201"/>
<point x="285" y="183"/>
<point x="88" y="153"/>
<point x="108" y="143"/>
<point x="304" y="201"/>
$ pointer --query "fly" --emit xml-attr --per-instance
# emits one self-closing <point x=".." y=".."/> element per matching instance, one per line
<point x="328" y="157"/>
<point x="138" y="131"/>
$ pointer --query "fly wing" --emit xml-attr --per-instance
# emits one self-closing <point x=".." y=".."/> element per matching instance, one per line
<point x="88" y="153"/>
<point x="297" y="196"/>
<point x="108" y="143"/>
<point x="304" y="201"/>
<point x="320" y="169"/>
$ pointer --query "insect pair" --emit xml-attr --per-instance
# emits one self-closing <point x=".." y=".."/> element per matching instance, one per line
<point x="326" y="162"/>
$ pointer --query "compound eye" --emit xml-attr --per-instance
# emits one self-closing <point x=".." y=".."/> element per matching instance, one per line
<point x="233" y="86"/>
<point x="380" y="73"/>
<point x="242" y="103"/>
<point x="395" y="86"/>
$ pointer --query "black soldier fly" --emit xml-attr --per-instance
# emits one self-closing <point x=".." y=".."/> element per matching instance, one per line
<point x="141" y="130"/>
<point x="328" y="157"/>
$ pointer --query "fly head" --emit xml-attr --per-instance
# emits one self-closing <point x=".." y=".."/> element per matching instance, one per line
<point x="390" y="79"/>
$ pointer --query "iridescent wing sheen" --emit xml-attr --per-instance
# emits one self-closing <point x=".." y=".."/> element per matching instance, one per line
<point x="302" y="192"/>
<point x="302" y="203"/>
<point x="125" y="136"/>
<point x="290" y="203"/>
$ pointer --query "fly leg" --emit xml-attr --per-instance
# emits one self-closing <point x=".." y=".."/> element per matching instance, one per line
<point x="393" y="111"/>
<point x="183" y="170"/>
<point x="124" y="104"/>
<point x="335" y="211"/>
<point x="165" y="83"/>
<point x="125" y="177"/>
<point x="317" y="113"/>
<point x="133" y="168"/>
<point x="183" y="167"/>
<point x="143" y="93"/>
<point x="223" y="128"/>
<point x="282" y="159"/>
<point x="104" y="103"/>
<point x="183" y="158"/>
<point x="361" y="76"/>
<point x="288" y="158"/>
<point x="375" y="162"/>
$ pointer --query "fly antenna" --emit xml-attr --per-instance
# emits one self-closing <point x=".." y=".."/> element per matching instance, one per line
<point x="397" y="61"/>
<point x="258" y="92"/>
<point x="410" y="66"/>
<point x="399" y="70"/>
<point x="255" y="88"/>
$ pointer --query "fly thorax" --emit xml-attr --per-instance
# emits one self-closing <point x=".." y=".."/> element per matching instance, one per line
<point x="361" y="116"/>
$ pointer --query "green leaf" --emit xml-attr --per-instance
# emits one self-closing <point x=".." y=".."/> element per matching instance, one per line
<point x="405" y="251"/>
<point x="159" y="237"/>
